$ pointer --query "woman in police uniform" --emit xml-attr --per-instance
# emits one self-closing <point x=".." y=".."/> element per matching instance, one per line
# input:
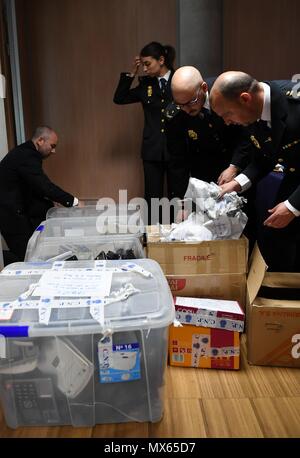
<point x="154" y="93"/>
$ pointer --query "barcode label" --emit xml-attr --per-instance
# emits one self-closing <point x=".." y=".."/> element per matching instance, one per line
<point x="178" y="358"/>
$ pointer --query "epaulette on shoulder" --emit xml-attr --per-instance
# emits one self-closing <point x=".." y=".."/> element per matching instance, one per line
<point x="172" y="110"/>
<point x="293" y="94"/>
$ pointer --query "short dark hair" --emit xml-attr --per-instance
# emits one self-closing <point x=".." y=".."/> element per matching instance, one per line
<point x="42" y="131"/>
<point x="155" y="49"/>
<point x="232" y="88"/>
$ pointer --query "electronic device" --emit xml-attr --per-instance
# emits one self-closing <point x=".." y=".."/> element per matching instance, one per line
<point x="34" y="401"/>
<point x="72" y="370"/>
<point x="22" y="357"/>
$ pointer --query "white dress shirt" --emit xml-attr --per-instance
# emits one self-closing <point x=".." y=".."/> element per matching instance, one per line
<point x="166" y="77"/>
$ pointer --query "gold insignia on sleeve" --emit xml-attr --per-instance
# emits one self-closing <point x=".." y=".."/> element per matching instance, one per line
<point x="193" y="135"/>
<point x="149" y="91"/>
<point x="255" y="142"/>
<point x="289" y="145"/>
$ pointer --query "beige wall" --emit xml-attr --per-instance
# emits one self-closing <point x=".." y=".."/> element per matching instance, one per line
<point x="71" y="55"/>
<point x="261" y="37"/>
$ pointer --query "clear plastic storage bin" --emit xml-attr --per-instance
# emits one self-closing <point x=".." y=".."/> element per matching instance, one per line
<point x="115" y="218"/>
<point x="84" y="248"/>
<point x="76" y="369"/>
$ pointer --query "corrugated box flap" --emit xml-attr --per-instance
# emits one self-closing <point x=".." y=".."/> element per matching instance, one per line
<point x="282" y="279"/>
<point x="256" y="275"/>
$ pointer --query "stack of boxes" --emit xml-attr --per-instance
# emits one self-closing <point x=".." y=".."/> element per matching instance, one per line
<point x="212" y="270"/>
<point x="209" y="336"/>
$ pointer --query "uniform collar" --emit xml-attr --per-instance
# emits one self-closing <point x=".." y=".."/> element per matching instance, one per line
<point x="266" y="112"/>
<point x="166" y="76"/>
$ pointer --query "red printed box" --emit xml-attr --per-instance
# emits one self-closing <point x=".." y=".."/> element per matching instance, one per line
<point x="200" y="347"/>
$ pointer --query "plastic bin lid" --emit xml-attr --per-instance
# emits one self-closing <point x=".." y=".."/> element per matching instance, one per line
<point x="93" y="209"/>
<point x="70" y="226"/>
<point x="138" y="298"/>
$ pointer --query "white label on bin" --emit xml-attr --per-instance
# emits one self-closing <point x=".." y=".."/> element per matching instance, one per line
<point x="71" y="283"/>
<point x="6" y="310"/>
<point x="45" y="310"/>
<point x="22" y="273"/>
<point x="118" y="363"/>
<point x="97" y="309"/>
<point x="132" y="267"/>
<point x="35" y="304"/>
<point x="122" y="294"/>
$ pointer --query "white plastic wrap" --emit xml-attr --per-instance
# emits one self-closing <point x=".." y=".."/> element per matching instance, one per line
<point x="214" y="219"/>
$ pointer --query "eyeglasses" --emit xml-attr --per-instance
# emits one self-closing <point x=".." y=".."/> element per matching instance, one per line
<point x="191" y="102"/>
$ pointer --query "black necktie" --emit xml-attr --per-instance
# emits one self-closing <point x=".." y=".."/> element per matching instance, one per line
<point x="163" y="84"/>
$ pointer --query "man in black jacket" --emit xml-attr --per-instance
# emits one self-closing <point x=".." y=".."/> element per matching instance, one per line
<point x="26" y="193"/>
<point x="272" y="118"/>
<point x="199" y="143"/>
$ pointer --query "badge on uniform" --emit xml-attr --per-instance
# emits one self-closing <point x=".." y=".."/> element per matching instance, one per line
<point x="193" y="135"/>
<point x="255" y="142"/>
<point x="149" y="92"/>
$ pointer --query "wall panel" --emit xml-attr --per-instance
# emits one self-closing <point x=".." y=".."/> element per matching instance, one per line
<point x="261" y="37"/>
<point x="72" y="52"/>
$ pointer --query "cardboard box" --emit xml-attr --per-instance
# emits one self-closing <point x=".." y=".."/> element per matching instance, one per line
<point x="197" y="346"/>
<point x="273" y="324"/>
<point x="211" y="313"/>
<point x="215" y="286"/>
<point x="213" y="257"/>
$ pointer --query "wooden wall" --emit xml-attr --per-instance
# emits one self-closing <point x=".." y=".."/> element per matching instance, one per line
<point x="71" y="55"/>
<point x="5" y="70"/>
<point x="261" y="37"/>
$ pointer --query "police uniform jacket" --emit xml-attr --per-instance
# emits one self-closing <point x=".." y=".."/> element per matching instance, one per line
<point x="148" y="93"/>
<point x="203" y="143"/>
<point x="281" y="143"/>
<point x="25" y="190"/>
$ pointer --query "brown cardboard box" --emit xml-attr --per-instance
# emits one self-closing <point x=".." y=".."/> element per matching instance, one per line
<point x="215" y="286"/>
<point x="213" y="257"/>
<point x="273" y="325"/>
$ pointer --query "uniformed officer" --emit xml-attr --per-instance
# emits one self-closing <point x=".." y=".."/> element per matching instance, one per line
<point x="199" y="142"/>
<point x="272" y="118"/>
<point x="154" y="93"/>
